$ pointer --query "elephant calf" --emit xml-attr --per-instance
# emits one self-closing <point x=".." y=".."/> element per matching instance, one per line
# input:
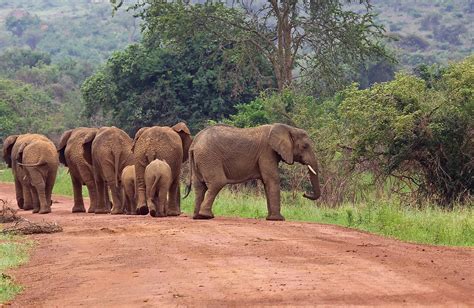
<point x="129" y="189"/>
<point x="158" y="179"/>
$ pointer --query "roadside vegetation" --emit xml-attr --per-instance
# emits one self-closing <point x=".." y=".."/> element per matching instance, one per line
<point x="426" y="224"/>
<point x="13" y="252"/>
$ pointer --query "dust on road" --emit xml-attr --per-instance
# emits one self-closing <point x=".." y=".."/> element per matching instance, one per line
<point x="113" y="261"/>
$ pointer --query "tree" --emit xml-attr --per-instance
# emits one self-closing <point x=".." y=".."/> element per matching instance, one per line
<point x="17" y="22"/>
<point x="193" y="80"/>
<point x="290" y="34"/>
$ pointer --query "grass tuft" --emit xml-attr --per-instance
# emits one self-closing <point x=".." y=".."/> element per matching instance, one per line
<point x="13" y="252"/>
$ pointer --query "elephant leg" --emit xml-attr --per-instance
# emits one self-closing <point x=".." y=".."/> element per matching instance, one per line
<point x="142" y="208"/>
<point x="117" y="198"/>
<point x="102" y="197"/>
<point x="199" y="190"/>
<point x="151" y="198"/>
<point x="108" y="203"/>
<point x="27" y="197"/>
<point x="92" y="196"/>
<point x="174" y="202"/>
<point x="78" y="200"/>
<point x="19" y="192"/>
<point x="50" y="180"/>
<point x="38" y="182"/>
<point x="272" y="192"/>
<point x="34" y="199"/>
<point x="206" y="206"/>
<point x="162" y="202"/>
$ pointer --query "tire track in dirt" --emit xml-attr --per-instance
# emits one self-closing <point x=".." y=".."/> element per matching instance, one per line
<point x="119" y="261"/>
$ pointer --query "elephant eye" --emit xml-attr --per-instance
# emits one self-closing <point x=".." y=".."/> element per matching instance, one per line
<point x="305" y="146"/>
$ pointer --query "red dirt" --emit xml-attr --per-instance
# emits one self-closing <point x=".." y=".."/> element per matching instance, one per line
<point x="112" y="261"/>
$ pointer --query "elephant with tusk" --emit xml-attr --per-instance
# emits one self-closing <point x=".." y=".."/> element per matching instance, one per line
<point x="223" y="154"/>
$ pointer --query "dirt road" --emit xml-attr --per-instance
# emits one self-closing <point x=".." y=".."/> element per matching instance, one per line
<point x="118" y="261"/>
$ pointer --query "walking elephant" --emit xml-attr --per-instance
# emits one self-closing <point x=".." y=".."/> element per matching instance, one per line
<point x="11" y="146"/>
<point x="71" y="154"/>
<point x="129" y="190"/>
<point x="40" y="162"/>
<point x="222" y="154"/>
<point x="158" y="183"/>
<point x="109" y="151"/>
<point x="170" y="144"/>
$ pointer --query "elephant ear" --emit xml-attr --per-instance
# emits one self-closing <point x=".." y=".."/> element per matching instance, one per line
<point x="87" y="146"/>
<point x="281" y="142"/>
<point x="62" y="146"/>
<point x="7" y="149"/>
<point x="186" y="139"/>
<point x="137" y="136"/>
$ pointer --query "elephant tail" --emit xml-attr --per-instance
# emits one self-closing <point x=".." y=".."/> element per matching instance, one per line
<point x="191" y="167"/>
<point x="117" y="167"/>
<point x="155" y="182"/>
<point x="32" y="165"/>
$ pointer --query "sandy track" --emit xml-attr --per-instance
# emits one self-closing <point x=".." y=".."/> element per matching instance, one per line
<point x="118" y="261"/>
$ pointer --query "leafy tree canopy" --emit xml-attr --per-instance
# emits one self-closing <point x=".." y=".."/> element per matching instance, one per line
<point x="306" y="37"/>
<point x="163" y="80"/>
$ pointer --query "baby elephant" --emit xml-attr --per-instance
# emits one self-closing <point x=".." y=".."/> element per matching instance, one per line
<point x="129" y="190"/>
<point x="157" y="182"/>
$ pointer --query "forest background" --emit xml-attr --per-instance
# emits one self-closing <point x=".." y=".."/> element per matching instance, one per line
<point x="388" y="99"/>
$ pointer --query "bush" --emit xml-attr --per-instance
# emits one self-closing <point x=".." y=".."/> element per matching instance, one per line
<point x="410" y="135"/>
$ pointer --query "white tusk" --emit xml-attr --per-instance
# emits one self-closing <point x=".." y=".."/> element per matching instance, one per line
<point x="312" y="170"/>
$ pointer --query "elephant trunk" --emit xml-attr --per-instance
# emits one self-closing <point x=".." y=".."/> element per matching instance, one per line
<point x="314" y="177"/>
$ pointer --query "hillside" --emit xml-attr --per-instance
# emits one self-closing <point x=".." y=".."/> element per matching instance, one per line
<point x="420" y="31"/>
<point x="79" y="29"/>
<point x="428" y="31"/>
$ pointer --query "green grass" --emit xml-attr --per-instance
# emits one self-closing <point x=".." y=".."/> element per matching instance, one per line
<point x="13" y="252"/>
<point x="430" y="224"/>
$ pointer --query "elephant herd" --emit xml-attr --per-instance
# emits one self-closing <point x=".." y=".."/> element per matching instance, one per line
<point x="142" y="174"/>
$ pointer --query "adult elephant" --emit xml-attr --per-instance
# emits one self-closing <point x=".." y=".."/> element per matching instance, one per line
<point x="40" y="162"/>
<point x="71" y="154"/>
<point x="222" y="154"/>
<point x="170" y="144"/>
<point x="109" y="151"/>
<point x="11" y="146"/>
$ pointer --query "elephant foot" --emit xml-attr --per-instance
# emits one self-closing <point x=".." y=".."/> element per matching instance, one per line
<point x="91" y="210"/>
<point x="45" y="211"/>
<point x="28" y="207"/>
<point x="277" y="217"/>
<point x="142" y="210"/>
<point x="36" y="210"/>
<point x="78" y="209"/>
<point x="157" y="214"/>
<point x="20" y="203"/>
<point x="116" y="212"/>
<point x="101" y="211"/>
<point x="201" y="216"/>
<point x="173" y="213"/>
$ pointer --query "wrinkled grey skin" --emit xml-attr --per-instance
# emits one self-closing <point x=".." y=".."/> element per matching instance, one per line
<point x="222" y="154"/>
<point x="129" y="190"/>
<point x="158" y="180"/>
<point x="109" y="151"/>
<point x="40" y="162"/>
<point x="170" y="144"/>
<point x="11" y="146"/>
<point x="71" y="154"/>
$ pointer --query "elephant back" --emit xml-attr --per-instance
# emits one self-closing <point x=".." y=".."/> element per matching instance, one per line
<point x="162" y="143"/>
<point x="39" y="151"/>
